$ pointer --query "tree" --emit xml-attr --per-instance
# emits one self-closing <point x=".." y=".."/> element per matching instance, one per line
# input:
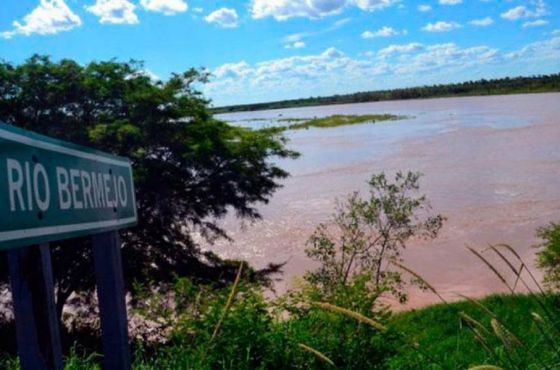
<point x="189" y="168"/>
<point x="368" y="233"/>
<point x="548" y="256"/>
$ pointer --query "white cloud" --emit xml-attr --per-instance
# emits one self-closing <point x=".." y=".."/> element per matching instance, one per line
<point x="285" y="9"/>
<point x="282" y="73"/>
<point x="424" y="8"/>
<point x="382" y="32"/>
<point x="300" y="36"/>
<point x="483" y="22"/>
<point x="515" y="13"/>
<point x="522" y="11"/>
<point x="332" y="71"/>
<point x="444" y="57"/>
<point x="441" y="26"/>
<point x="198" y="9"/>
<point x="539" y="51"/>
<point x="294" y="37"/>
<point x="114" y="11"/>
<point x="399" y="49"/>
<point x="450" y="2"/>
<point x="231" y="70"/>
<point x="555" y="32"/>
<point x="367" y="35"/>
<point x="295" y="45"/>
<point x="371" y="5"/>
<point x="50" y="17"/>
<point x="224" y="17"/>
<point x="167" y="7"/>
<point x="536" y="23"/>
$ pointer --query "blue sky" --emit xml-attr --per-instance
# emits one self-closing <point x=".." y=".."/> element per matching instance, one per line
<point x="262" y="50"/>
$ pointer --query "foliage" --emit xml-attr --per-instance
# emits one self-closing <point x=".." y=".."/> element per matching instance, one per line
<point x="330" y="121"/>
<point x="507" y="85"/>
<point x="368" y="233"/>
<point x="510" y="331"/>
<point x="549" y="254"/>
<point x="435" y="337"/>
<point x="254" y="335"/>
<point x="189" y="168"/>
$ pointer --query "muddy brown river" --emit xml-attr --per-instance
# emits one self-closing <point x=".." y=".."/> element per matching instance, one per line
<point x="490" y="164"/>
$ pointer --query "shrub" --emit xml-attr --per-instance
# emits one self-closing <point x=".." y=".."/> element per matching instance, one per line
<point x="548" y="256"/>
<point x="368" y="233"/>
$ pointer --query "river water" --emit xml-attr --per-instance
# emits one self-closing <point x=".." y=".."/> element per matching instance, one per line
<point x="491" y="165"/>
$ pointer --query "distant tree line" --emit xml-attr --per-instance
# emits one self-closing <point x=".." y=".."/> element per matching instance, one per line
<point x="508" y="85"/>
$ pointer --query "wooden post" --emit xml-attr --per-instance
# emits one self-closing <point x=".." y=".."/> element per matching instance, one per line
<point x="111" y="296"/>
<point x="37" y="331"/>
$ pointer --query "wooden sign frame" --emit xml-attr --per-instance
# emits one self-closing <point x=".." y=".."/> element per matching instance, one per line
<point x="30" y="267"/>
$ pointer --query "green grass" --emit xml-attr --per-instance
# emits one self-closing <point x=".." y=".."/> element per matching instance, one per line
<point x="434" y="337"/>
<point x="447" y="342"/>
<point x="335" y="120"/>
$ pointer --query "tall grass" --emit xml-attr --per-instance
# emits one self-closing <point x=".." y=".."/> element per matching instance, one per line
<point x="523" y="338"/>
<point x="235" y="328"/>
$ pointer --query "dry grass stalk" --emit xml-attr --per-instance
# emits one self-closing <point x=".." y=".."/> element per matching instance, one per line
<point x="485" y="367"/>
<point x="417" y="276"/>
<point x="474" y="323"/>
<point x="229" y="302"/>
<point x="544" y="329"/>
<point x="317" y="354"/>
<point x="516" y="271"/>
<point x="355" y="315"/>
<point x="538" y="318"/>
<point x="505" y="335"/>
<point x="491" y="267"/>
<point x="523" y="266"/>
<point x="479" y="305"/>
<point x="482" y="340"/>
<point x="511" y="250"/>
<point x="533" y="278"/>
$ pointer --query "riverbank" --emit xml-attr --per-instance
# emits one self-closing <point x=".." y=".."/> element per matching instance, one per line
<point x="502" y="86"/>
<point x="510" y="331"/>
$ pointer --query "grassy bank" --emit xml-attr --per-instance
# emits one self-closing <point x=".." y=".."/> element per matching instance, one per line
<point x="436" y="337"/>
<point x="448" y="339"/>
<point x="331" y="121"/>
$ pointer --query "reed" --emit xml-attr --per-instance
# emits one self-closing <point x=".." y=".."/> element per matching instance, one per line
<point x="539" y="298"/>
<point x="516" y="271"/>
<point x="483" y="342"/>
<point x="504" y="335"/>
<point x="317" y="354"/>
<point x="473" y="323"/>
<point x="229" y="302"/>
<point x="491" y="267"/>
<point x="531" y="275"/>
<point x="545" y="332"/>
<point x="420" y="278"/>
<point x="354" y="315"/>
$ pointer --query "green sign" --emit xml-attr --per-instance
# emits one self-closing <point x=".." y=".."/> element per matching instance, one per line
<point x="51" y="190"/>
